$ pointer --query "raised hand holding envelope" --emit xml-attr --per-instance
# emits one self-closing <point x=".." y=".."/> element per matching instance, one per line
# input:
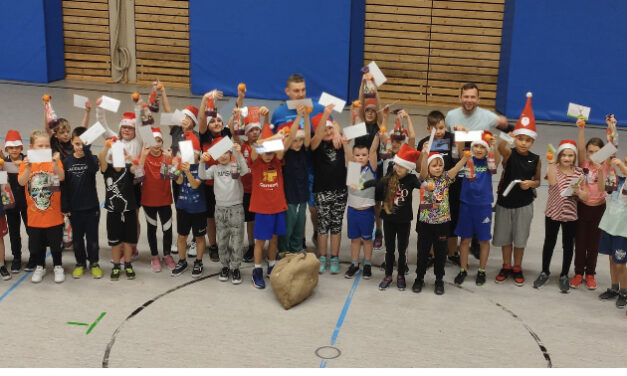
<point x="79" y="101"/>
<point x="109" y="104"/>
<point x="187" y="152"/>
<point x="148" y="138"/>
<point x="327" y="99"/>
<point x="92" y="133"/>
<point x="117" y="155"/>
<point x="217" y="150"/>
<point x="39" y="155"/>
<point x="292" y="104"/>
<point x="355" y="131"/>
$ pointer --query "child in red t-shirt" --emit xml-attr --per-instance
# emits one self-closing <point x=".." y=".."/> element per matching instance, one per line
<point x="268" y="203"/>
<point x="156" y="199"/>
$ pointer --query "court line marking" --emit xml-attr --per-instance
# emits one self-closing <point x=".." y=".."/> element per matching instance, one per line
<point x="18" y="282"/>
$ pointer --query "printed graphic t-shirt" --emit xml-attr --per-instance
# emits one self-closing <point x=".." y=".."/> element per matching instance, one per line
<point x="268" y="196"/>
<point x="43" y="202"/>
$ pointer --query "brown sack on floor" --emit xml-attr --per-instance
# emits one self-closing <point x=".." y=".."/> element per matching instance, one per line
<point x="294" y="277"/>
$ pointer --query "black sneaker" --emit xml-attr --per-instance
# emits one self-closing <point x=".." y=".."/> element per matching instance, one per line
<point x="4" y="273"/>
<point x="387" y="281"/>
<point x="16" y="265"/>
<point x="621" y="301"/>
<point x="480" y="278"/>
<point x="439" y="287"/>
<point x="213" y="253"/>
<point x="224" y="274"/>
<point x="461" y="277"/>
<point x="180" y="268"/>
<point x="609" y="294"/>
<point x="236" y="277"/>
<point x="352" y="270"/>
<point x="30" y="266"/>
<point x="455" y="259"/>
<point x="115" y="272"/>
<point x="367" y="271"/>
<point x="197" y="269"/>
<point x="128" y="269"/>
<point x="418" y="285"/>
<point x="250" y="254"/>
<point x="400" y="282"/>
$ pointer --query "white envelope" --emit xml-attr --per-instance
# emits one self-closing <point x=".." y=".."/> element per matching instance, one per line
<point x="507" y="138"/>
<point x="92" y="133"/>
<point x="39" y="155"/>
<point x="461" y="136"/>
<point x="577" y="110"/>
<point x="117" y="155"/>
<point x="569" y="190"/>
<point x="11" y="168"/>
<point x="167" y="118"/>
<point x="259" y="149"/>
<point x="177" y="117"/>
<point x="146" y="135"/>
<point x="110" y="104"/>
<point x="604" y="153"/>
<point x="273" y="145"/>
<point x="510" y="187"/>
<point x="221" y="147"/>
<point x="355" y="131"/>
<point x="353" y="175"/>
<point x="431" y="137"/>
<point x="326" y="99"/>
<point x="305" y="102"/>
<point x="379" y="78"/>
<point x="187" y="152"/>
<point x="4" y="177"/>
<point x="79" y="101"/>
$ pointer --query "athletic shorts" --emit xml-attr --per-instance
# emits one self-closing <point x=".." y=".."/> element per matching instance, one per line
<point x="210" y="198"/>
<point x="360" y="223"/>
<point x="454" y="203"/>
<point x="511" y="226"/>
<point x="615" y="246"/>
<point x="196" y="222"/>
<point x="122" y="227"/>
<point x="474" y="219"/>
<point x="248" y="215"/>
<point x="268" y="225"/>
<point x="330" y="206"/>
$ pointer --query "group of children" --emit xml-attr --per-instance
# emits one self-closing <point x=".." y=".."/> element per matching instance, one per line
<point x="265" y="190"/>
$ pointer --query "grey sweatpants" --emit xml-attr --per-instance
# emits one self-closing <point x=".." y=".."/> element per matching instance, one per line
<point x="230" y="232"/>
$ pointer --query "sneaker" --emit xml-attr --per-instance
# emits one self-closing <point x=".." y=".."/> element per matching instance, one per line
<point x="576" y="281"/>
<point x="16" y="265"/>
<point x="335" y="265"/>
<point x="461" y="277"/>
<point x="455" y="259"/>
<point x="439" y="287"/>
<point x="418" y="285"/>
<point x="213" y="253"/>
<point x="180" y="268"/>
<point x="197" y="269"/>
<point x="250" y="254"/>
<point x="59" y="274"/>
<point x="517" y="273"/>
<point x="564" y="284"/>
<point x="38" y="274"/>
<point x="155" y="264"/>
<point x="480" y="278"/>
<point x="4" y="273"/>
<point x="135" y="253"/>
<point x="224" y="274"/>
<point x="352" y="270"/>
<point x="192" y="252"/>
<point x="30" y="266"/>
<point x="608" y="294"/>
<point x="95" y="270"/>
<point x="236" y="277"/>
<point x="78" y="271"/>
<point x="323" y="264"/>
<point x="505" y="272"/>
<point x="400" y="282"/>
<point x="115" y="273"/>
<point x="269" y="271"/>
<point x="590" y="282"/>
<point x="130" y="273"/>
<point x="169" y="262"/>
<point x="621" y="301"/>
<point x="387" y="281"/>
<point x="367" y="273"/>
<point x="541" y="280"/>
<point x="378" y="240"/>
<point x="258" y="281"/>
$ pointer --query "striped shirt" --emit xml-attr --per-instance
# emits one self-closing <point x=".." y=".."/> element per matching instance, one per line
<point x="558" y="208"/>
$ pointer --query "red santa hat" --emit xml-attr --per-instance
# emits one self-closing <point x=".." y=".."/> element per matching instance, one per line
<point x="266" y="132"/>
<point x="128" y="119"/>
<point x="370" y="103"/>
<point x="407" y="157"/>
<point x="12" y="138"/>
<point x="526" y="123"/>
<point x="434" y="155"/>
<point x="252" y="118"/>
<point x="316" y="120"/>
<point x="486" y="136"/>
<point x="190" y="136"/>
<point x="192" y="112"/>
<point x="567" y="144"/>
<point x="156" y="132"/>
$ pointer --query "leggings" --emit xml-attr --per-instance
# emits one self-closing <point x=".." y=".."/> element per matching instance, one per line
<point x="40" y="238"/>
<point x="393" y="231"/>
<point x="330" y="206"/>
<point x="428" y="235"/>
<point x="587" y="238"/>
<point x="165" y="214"/>
<point x="551" y="228"/>
<point x="13" y="221"/>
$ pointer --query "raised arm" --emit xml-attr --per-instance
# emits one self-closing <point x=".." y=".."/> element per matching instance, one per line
<point x="581" y="142"/>
<point x="307" y="129"/>
<point x="372" y="153"/>
<point x="102" y="156"/>
<point x="460" y="164"/>
<point x="504" y="151"/>
<point x="424" y="166"/>
<point x="411" y="131"/>
<point x="85" y="122"/>
<point x="102" y="119"/>
<point x="319" y="134"/>
<point x="551" y="172"/>
<point x="164" y="98"/>
<point x="295" y="126"/>
<point x="263" y="111"/>
<point x="215" y="94"/>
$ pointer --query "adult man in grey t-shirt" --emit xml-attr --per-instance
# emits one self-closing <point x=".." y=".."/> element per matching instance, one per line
<point x="471" y="117"/>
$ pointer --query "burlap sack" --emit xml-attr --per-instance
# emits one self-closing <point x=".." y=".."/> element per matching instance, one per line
<point x="294" y="277"/>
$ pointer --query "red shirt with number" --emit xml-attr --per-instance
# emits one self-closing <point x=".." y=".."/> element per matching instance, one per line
<point x="268" y="196"/>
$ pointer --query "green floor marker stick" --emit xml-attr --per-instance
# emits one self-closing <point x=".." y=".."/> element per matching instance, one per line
<point x="77" y="323"/>
<point x="96" y="322"/>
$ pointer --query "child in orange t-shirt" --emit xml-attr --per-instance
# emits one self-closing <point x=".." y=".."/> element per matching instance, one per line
<point x="43" y="200"/>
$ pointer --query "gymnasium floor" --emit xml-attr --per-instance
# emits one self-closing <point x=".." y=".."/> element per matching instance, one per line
<point x="161" y="321"/>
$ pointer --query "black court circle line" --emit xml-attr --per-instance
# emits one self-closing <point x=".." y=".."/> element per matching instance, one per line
<point x="317" y="352"/>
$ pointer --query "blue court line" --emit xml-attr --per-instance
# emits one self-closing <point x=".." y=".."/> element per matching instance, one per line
<point x="340" y="320"/>
<point x="17" y="283"/>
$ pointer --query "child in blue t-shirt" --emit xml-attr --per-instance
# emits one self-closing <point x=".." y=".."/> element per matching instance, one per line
<point x="475" y="213"/>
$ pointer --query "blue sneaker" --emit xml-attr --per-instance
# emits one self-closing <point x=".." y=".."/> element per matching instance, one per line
<point x="270" y="270"/>
<point x="335" y="265"/>
<point x="323" y="264"/>
<point x="258" y="281"/>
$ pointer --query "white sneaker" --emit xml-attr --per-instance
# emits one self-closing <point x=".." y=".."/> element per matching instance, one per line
<point x="38" y="274"/>
<point x="191" y="250"/>
<point x="59" y="274"/>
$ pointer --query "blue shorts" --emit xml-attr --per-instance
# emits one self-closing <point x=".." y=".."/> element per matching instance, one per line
<point x="267" y="225"/>
<point x="360" y="223"/>
<point x="474" y="219"/>
<point x="615" y="246"/>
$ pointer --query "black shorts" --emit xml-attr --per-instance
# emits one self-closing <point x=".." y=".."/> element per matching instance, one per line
<point x="454" y="201"/>
<point x="210" y="197"/>
<point x="196" y="222"/>
<point x="122" y="228"/>
<point x="138" y="194"/>
<point x="248" y="215"/>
